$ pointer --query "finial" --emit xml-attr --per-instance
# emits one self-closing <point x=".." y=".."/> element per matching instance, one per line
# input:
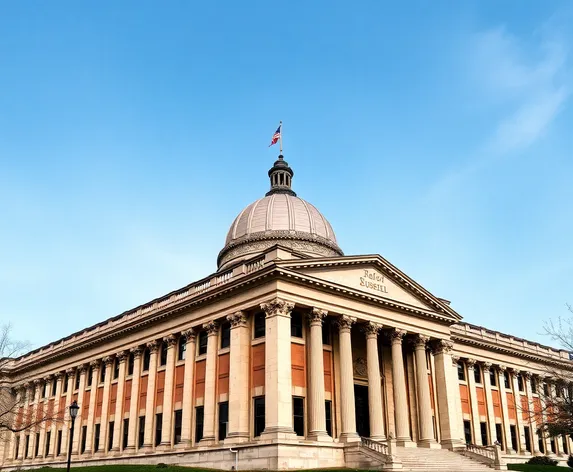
<point x="281" y="177"/>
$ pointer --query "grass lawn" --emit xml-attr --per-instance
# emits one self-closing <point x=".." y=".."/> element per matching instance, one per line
<point x="171" y="468"/>
<point x="537" y="468"/>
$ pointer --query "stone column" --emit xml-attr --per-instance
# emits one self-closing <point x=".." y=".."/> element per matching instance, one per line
<point x="104" y="419"/>
<point x="20" y="394"/>
<point x="426" y="438"/>
<point x="66" y="416"/>
<point x="148" y="443"/>
<point x="489" y="402"/>
<point x="447" y="392"/>
<point x="239" y="378"/>
<point x="134" y="400"/>
<point x="118" y="414"/>
<point x="209" y="401"/>
<point x="59" y="377"/>
<point x="558" y="439"/>
<point x="48" y="390"/>
<point x="95" y="365"/>
<point x="347" y="401"/>
<point x="504" y="409"/>
<point x="35" y="417"/>
<point x="78" y="426"/>
<point x="402" y="416"/>
<point x="532" y="420"/>
<point x="27" y="397"/>
<point x="278" y="374"/>
<point x="375" y="409"/>
<point x="187" y="402"/>
<point x="470" y="363"/>
<point x="456" y="381"/>
<point x="167" y="425"/>
<point x="316" y="408"/>
<point x="518" y="410"/>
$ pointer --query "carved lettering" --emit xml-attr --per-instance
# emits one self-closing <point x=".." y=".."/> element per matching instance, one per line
<point x="373" y="280"/>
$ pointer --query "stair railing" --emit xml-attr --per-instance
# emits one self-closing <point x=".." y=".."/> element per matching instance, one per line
<point x="375" y="446"/>
<point x="491" y="454"/>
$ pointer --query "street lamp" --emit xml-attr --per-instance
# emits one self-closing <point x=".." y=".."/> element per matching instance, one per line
<point x="74" y="408"/>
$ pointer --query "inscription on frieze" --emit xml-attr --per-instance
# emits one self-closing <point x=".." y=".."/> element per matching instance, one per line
<point x="373" y="280"/>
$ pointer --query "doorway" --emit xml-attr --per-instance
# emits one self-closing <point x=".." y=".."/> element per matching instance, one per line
<point x="361" y="409"/>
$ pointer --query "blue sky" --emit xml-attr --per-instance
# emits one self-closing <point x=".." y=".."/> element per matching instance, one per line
<point x="437" y="134"/>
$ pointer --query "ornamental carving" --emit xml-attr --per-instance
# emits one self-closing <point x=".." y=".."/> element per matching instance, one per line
<point x="107" y="360"/>
<point x="442" y="346"/>
<point x="316" y="316"/>
<point x="486" y="367"/>
<point x="153" y="346"/>
<point x="95" y="364"/>
<point x="83" y="368"/>
<point x="48" y="378"/>
<point x="455" y="360"/>
<point x="501" y="368"/>
<point x="277" y="307"/>
<point x="122" y="356"/>
<point x="345" y="322"/>
<point x="70" y="371"/>
<point x="59" y="375"/>
<point x="237" y="319"/>
<point x="371" y="329"/>
<point x="171" y="340"/>
<point x="397" y="335"/>
<point x="420" y="341"/>
<point x="189" y="335"/>
<point x="212" y="328"/>
<point x="526" y="375"/>
<point x="137" y="351"/>
<point x="360" y="367"/>
<point x="470" y="363"/>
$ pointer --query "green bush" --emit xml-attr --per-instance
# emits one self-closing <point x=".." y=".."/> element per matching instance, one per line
<point x="541" y="460"/>
<point x="570" y="461"/>
<point x="161" y="465"/>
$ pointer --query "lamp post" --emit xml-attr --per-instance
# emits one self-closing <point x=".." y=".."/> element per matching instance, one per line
<point x="74" y="408"/>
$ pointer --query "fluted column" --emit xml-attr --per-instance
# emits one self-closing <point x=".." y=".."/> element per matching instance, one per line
<point x="518" y="410"/>
<point x="470" y="363"/>
<point x="426" y="434"/>
<point x="278" y="374"/>
<point x="401" y="413"/>
<point x="505" y="409"/>
<point x="209" y="402"/>
<point x="187" y="409"/>
<point x="316" y="408"/>
<point x="82" y="372"/>
<point x="95" y="366"/>
<point x="134" y="400"/>
<point x="104" y="419"/>
<point x="447" y="392"/>
<point x="65" y="428"/>
<point x="347" y="401"/>
<point x="148" y="443"/>
<point x="167" y="425"/>
<point x="375" y="410"/>
<point x="489" y="401"/>
<point x="59" y="378"/>
<point x="118" y="414"/>
<point x="239" y="378"/>
<point x="27" y="397"/>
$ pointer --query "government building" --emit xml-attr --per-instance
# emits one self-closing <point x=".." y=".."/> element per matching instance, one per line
<point x="291" y="355"/>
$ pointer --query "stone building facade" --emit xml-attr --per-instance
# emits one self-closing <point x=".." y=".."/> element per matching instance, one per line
<point x="291" y="355"/>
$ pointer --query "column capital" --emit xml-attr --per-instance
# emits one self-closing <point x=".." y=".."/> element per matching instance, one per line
<point x="171" y="340"/>
<point x="420" y="341"/>
<point x="397" y="335"/>
<point x="316" y="316"/>
<point x="95" y="363"/>
<point x="212" y="328"/>
<point x="487" y="367"/>
<point x="107" y="360"/>
<point x="442" y="346"/>
<point x="70" y="370"/>
<point x="345" y="322"/>
<point x="153" y="346"/>
<point x="189" y="334"/>
<point x="277" y="307"/>
<point x="59" y="375"/>
<point x="48" y="378"/>
<point x="470" y="363"/>
<point x="371" y="329"/>
<point x="526" y="375"/>
<point x="37" y="382"/>
<point x="502" y="368"/>
<point x="122" y="356"/>
<point x="237" y="319"/>
<point x="137" y="351"/>
<point x="83" y="368"/>
<point x="455" y="360"/>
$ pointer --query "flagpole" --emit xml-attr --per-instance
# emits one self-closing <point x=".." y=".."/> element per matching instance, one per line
<point x="281" y="138"/>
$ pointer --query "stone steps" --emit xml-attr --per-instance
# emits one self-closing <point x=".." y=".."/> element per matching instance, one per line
<point x="422" y="459"/>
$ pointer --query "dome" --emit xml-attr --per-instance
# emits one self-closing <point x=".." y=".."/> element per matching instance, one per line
<point x="279" y="218"/>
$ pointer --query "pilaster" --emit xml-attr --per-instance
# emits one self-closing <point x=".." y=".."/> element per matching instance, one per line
<point x="167" y="426"/>
<point x="487" y="366"/>
<point x="58" y="415"/>
<point x="66" y="417"/>
<point x="148" y="443"/>
<point x="518" y="410"/>
<point x="82" y="370"/>
<point x="104" y="419"/>
<point x="209" y="404"/>
<point x="187" y="407"/>
<point x="134" y="400"/>
<point x="95" y="367"/>
<point x="470" y="363"/>
<point x="505" y="410"/>
<point x="118" y="414"/>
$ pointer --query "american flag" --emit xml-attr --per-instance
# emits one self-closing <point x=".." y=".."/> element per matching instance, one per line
<point x="276" y="136"/>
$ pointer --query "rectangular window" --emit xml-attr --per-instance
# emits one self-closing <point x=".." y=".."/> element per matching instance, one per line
<point x="483" y="432"/>
<point x="461" y="371"/>
<point x="565" y="443"/>
<point x="77" y="386"/>
<point x="223" y="419"/>
<point x="533" y="385"/>
<point x="141" y="432"/>
<point x="181" y="348"/>
<point x="177" y="426"/>
<point x="468" y="431"/>
<point x="225" y="335"/>
<point x="296" y="324"/>
<point x="506" y="380"/>
<point x="477" y="373"/>
<point x="48" y="440"/>
<point x="130" y="363"/>
<point x="326" y="333"/>
<point x="54" y="387"/>
<point x="259" y="329"/>
<point x="102" y="373"/>
<point x="259" y="412"/>
<point x="65" y="386"/>
<point x="541" y="444"/>
<point x="125" y="432"/>
<point x="90" y="375"/>
<point x="298" y="415"/>
<point x="83" y="443"/>
<point x="520" y="382"/>
<point x="553" y="446"/>
<point x="198" y="424"/>
<point x="328" y="413"/>
<point x="158" y="428"/>
<point x="110" y="435"/>
<point x="527" y="435"/>
<point x="493" y="377"/>
<point x="37" y="445"/>
<point x="26" y="445"/>
<point x="513" y="433"/>
<point x="545" y="389"/>
<point x="59" y="443"/>
<point x="146" y="359"/>
<point x="499" y="435"/>
<point x="163" y="354"/>
<point x="202" y="342"/>
<point x="45" y="391"/>
<point x="96" y="437"/>
<point x="115" y="368"/>
<point x="17" y="448"/>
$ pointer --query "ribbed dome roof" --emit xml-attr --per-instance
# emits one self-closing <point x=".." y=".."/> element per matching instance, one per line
<point x="279" y="218"/>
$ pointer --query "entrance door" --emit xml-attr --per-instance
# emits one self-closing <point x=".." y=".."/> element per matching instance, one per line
<point x="361" y="408"/>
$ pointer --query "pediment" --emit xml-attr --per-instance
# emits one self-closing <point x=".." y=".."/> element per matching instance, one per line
<point x="377" y="278"/>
